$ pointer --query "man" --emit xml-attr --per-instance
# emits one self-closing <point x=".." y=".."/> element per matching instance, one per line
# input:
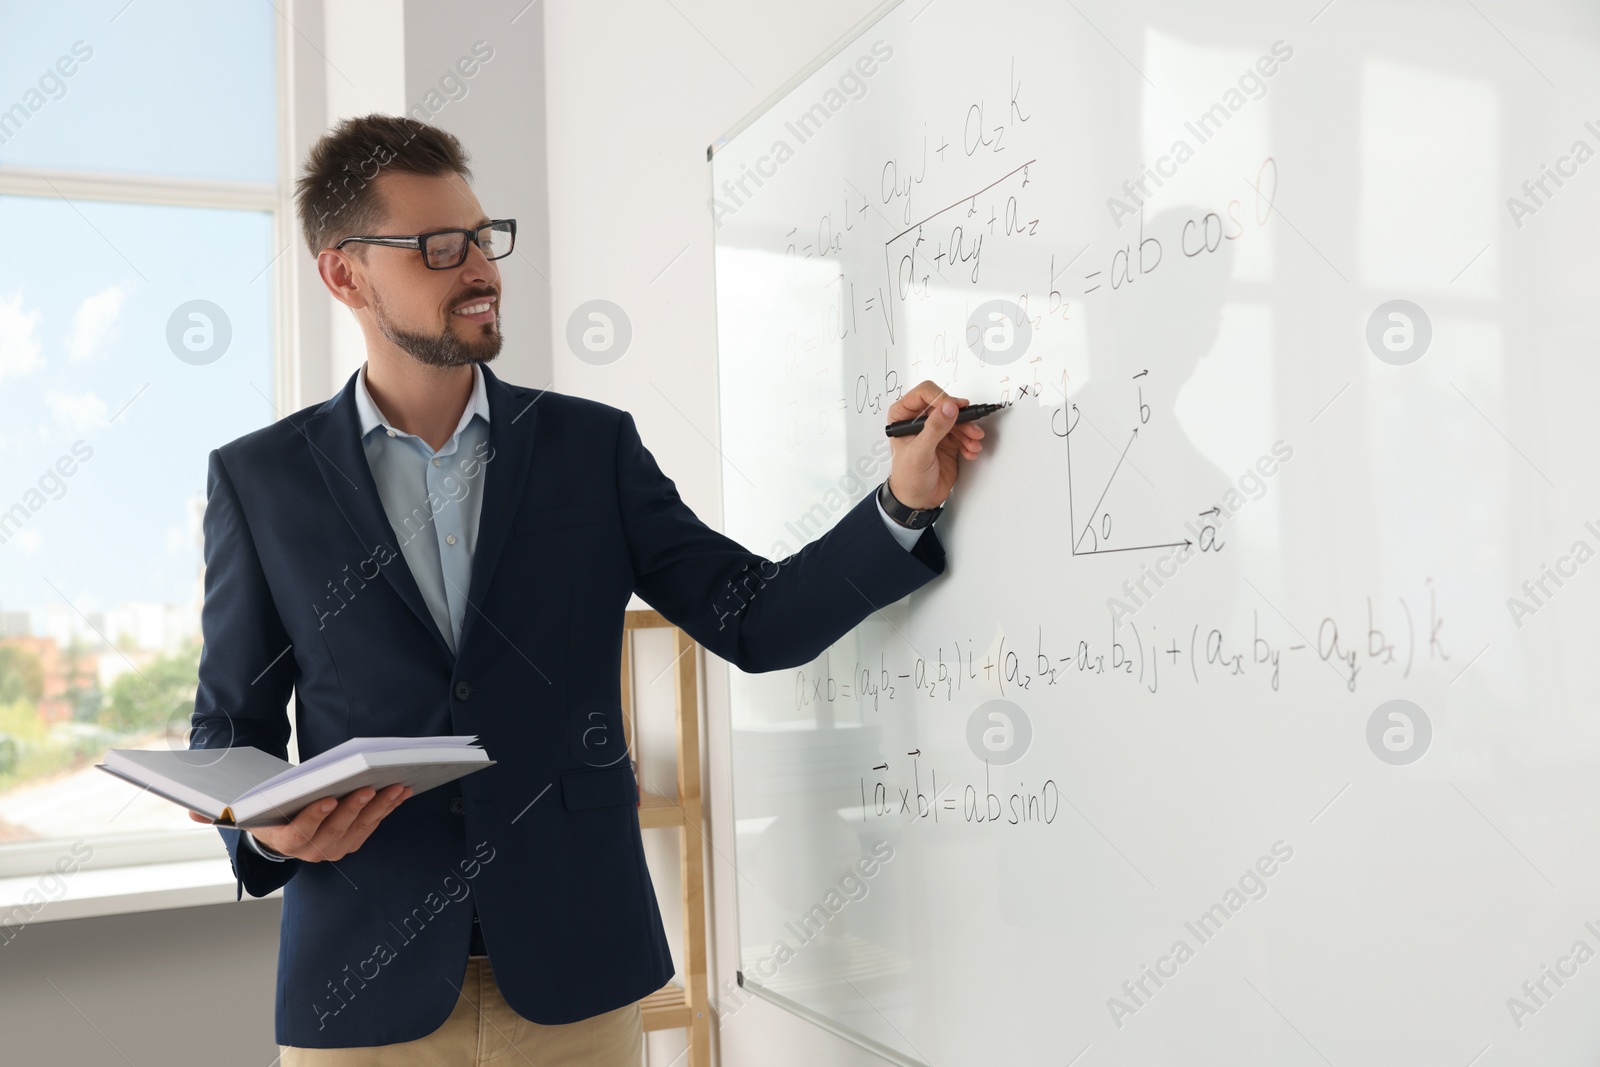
<point x="435" y="551"/>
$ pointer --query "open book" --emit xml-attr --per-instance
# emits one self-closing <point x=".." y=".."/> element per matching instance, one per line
<point x="246" y="788"/>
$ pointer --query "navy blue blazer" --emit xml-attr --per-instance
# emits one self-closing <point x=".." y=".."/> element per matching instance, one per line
<point x="306" y="592"/>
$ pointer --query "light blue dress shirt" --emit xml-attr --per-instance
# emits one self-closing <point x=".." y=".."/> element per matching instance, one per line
<point x="433" y="505"/>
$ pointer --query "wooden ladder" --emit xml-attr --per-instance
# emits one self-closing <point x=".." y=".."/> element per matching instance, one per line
<point x="674" y="1006"/>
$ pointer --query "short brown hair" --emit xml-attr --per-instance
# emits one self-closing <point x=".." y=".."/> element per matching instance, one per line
<point x="336" y="197"/>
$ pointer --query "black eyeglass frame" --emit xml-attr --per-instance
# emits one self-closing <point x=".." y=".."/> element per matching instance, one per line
<point x="419" y="241"/>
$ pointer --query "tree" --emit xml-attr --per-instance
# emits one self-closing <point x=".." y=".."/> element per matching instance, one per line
<point x="147" y="698"/>
<point x="21" y="675"/>
<point x="80" y="683"/>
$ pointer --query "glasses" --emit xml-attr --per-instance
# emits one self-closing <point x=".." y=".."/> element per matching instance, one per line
<point x="447" y="249"/>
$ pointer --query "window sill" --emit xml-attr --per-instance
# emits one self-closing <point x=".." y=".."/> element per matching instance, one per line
<point x="117" y="891"/>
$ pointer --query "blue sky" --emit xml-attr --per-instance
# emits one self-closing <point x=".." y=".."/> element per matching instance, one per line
<point x="87" y="289"/>
<point x="174" y="88"/>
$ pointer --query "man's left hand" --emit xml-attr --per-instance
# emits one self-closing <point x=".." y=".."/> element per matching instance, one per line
<point x="924" y="467"/>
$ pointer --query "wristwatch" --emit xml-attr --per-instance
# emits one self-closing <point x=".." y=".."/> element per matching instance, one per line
<point x="909" y="517"/>
<point x="266" y="850"/>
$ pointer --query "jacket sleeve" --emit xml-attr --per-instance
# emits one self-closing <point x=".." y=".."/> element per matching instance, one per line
<point x="759" y="614"/>
<point x="906" y="539"/>
<point x="247" y="669"/>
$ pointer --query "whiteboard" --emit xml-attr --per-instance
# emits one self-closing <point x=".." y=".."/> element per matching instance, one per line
<point x="1254" y="719"/>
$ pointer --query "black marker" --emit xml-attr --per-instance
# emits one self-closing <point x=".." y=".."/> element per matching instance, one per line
<point x="912" y="427"/>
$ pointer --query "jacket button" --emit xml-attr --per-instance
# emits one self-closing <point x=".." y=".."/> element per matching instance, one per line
<point x="458" y="805"/>
<point x="463" y="690"/>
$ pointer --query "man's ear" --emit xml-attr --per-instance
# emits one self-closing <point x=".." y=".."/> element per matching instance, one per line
<point x="340" y="274"/>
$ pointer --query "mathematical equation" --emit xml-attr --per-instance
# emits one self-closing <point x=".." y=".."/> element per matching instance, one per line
<point x="983" y="132"/>
<point x="1197" y="236"/>
<point x="850" y="310"/>
<point x="992" y="803"/>
<point x="1131" y="653"/>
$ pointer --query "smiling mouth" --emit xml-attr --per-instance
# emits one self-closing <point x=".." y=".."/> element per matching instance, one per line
<point x="477" y="311"/>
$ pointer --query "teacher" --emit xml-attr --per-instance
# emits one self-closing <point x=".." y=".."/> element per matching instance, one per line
<point x="436" y="551"/>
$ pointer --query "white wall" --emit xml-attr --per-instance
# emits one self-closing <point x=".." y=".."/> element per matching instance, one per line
<point x="636" y="90"/>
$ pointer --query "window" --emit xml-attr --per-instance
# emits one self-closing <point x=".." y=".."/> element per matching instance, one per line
<point x="145" y="228"/>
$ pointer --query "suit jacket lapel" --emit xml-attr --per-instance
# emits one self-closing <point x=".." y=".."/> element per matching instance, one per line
<point x="511" y="423"/>
<point x="334" y="434"/>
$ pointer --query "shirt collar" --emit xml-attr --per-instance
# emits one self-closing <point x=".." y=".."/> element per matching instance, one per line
<point x="372" y="418"/>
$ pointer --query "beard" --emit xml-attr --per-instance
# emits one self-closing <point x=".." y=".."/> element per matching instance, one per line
<point x="444" y="349"/>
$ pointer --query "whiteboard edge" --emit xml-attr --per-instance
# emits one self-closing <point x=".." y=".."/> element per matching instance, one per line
<point x="849" y="38"/>
<point x="816" y="1019"/>
<point x="722" y="526"/>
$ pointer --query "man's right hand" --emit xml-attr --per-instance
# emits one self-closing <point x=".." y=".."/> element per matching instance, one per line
<point x="330" y="829"/>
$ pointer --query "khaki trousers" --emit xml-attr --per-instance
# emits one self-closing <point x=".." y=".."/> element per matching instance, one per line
<point x="482" y="1029"/>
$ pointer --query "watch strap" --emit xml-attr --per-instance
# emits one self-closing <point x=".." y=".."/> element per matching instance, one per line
<point x="909" y="517"/>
